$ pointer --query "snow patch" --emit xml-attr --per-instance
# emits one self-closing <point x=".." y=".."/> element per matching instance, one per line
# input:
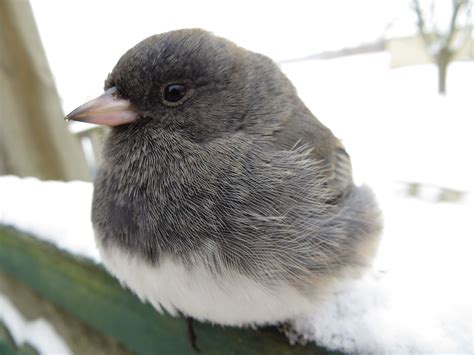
<point x="418" y="298"/>
<point x="39" y="333"/>
<point x="57" y="212"/>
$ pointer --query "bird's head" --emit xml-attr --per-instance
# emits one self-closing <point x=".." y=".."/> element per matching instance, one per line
<point x="193" y="83"/>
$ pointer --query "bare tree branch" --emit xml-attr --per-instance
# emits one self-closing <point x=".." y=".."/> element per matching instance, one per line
<point x="421" y="23"/>
<point x="435" y="33"/>
<point x="457" y="4"/>
<point x="465" y="33"/>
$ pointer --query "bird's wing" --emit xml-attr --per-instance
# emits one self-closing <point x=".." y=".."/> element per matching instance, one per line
<point x="306" y="130"/>
<point x="340" y="168"/>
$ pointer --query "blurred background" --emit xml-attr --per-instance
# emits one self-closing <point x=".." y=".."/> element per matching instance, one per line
<point x="394" y="79"/>
<point x="390" y="78"/>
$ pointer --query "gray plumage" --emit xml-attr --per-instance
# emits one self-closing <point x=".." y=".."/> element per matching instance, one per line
<point x="238" y="175"/>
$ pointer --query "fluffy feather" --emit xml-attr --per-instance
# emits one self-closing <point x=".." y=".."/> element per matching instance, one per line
<point x="236" y="206"/>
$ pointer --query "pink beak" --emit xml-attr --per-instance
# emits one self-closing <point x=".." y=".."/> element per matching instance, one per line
<point x="107" y="110"/>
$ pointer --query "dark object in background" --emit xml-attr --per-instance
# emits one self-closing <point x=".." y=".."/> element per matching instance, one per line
<point x="220" y="194"/>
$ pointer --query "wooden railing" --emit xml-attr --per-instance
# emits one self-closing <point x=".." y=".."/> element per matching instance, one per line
<point x="85" y="291"/>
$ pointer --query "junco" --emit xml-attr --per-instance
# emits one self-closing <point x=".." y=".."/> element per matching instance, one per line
<point x="220" y="195"/>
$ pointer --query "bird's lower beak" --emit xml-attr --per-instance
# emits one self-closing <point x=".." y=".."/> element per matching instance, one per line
<point x="107" y="109"/>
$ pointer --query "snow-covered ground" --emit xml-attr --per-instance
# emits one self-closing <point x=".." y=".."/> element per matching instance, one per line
<point x="419" y="295"/>
<point x="57" y="212"/>
<point x="392" y="121"/>
<point x="418" y="298"/>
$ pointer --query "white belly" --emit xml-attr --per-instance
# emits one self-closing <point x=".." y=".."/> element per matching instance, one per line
<point x="230" y="299"/>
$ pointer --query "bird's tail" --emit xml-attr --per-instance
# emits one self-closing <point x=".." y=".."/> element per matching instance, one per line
<point x="363" y="224"/>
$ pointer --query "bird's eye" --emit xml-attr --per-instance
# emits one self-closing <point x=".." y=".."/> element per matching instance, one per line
<point x="173" y="93"/>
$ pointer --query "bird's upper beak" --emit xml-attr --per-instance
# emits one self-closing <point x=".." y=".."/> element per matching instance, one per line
<point x="107" y="109"/>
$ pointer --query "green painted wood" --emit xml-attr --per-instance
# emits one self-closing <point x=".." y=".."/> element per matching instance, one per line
<point x="8" y="345"/>
<point x="88" y="292"/>
<point x="79" y="337"/>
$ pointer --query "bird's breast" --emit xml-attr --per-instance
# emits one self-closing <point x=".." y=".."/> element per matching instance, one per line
<point x="228" y="298"/>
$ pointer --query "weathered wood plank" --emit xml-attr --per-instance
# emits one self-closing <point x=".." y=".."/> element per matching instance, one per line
<point x="86" y="290"/>
<point x="79" y="337"/>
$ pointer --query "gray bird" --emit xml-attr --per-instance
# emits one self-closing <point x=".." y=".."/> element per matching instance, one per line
<point x="220" y="195"/>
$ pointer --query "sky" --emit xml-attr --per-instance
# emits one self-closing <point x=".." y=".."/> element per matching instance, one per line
<point x="84" y="39"/>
